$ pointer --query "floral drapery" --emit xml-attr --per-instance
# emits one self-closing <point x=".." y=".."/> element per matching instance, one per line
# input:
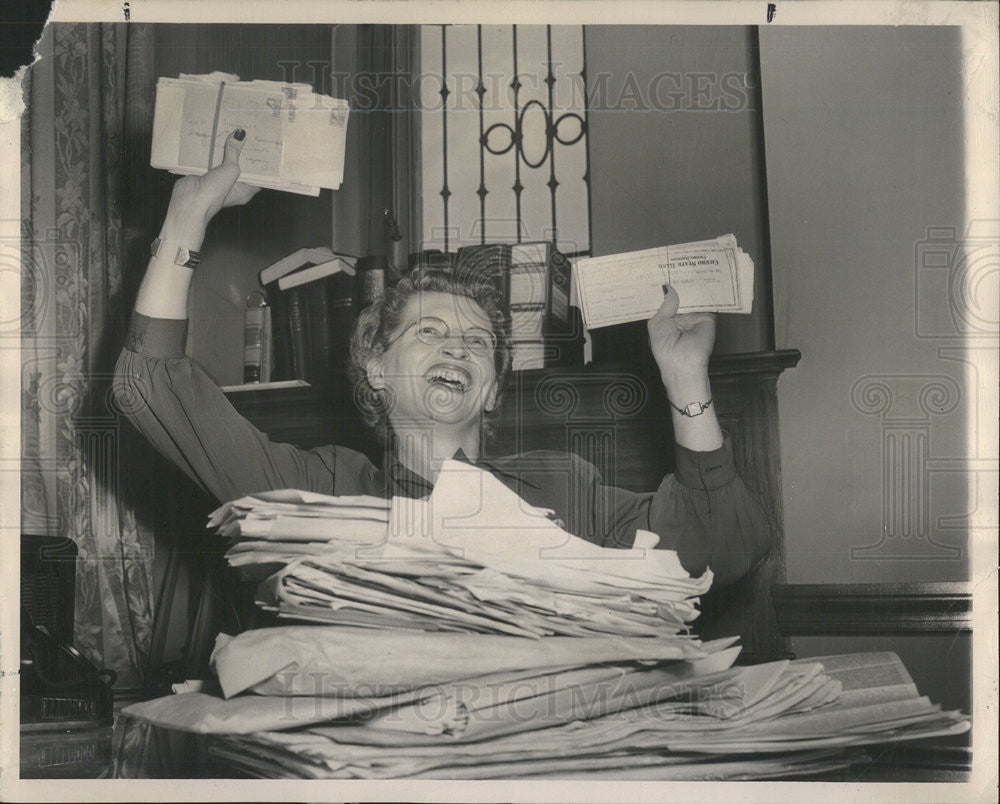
<point x="72" y="326"/>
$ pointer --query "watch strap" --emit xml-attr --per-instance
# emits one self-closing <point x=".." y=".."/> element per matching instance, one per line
<point x="185" y="257"/>
<point x="692" y="408"/>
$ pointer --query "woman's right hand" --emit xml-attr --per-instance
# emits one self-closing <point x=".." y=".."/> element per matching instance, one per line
<point x="196" y="199"/>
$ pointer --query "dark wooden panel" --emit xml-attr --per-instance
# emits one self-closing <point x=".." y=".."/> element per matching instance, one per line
<point x="309" y="416"/>
<point x="941" y="759"/>
<point x="892" y="609"/>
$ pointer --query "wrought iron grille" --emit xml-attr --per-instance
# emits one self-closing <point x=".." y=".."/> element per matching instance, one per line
<point x="503" y="130"/>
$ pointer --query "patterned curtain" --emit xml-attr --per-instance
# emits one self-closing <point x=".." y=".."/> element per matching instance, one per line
<point x="74" y="318"/>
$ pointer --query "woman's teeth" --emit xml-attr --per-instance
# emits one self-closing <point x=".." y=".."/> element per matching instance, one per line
<point x="450" y="377"/>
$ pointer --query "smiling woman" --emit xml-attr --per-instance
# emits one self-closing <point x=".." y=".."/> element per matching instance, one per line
<point x="436" y="347"/>
<point x="429" y="359"/>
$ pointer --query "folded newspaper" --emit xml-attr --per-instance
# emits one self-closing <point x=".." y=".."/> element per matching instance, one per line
<point x="709" y="276"/>
<point x="295" y="137"/>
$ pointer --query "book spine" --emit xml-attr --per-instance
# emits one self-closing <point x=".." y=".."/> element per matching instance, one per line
<point x="318" y="329"/>
<point x="298" y="335"/>
<point x="254" y="343"/>
<point x="371" y="284"/>
<point x="281" y="348"/>
<point x="526" y="321"/>
<point x="560" y="277"/>
<point x="562" y="325"/>
<point x="267" y="346"/>
<point x="432" y="258"/>
<point x="528" y="284"/>
<point x="342" y="305"/>
<point x="491" y="261"/>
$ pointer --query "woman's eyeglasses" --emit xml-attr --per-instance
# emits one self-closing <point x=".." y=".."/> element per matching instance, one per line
<point x="433" y="331"/>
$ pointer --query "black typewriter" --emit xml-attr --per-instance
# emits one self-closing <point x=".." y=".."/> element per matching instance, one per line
<point x="60" y="688"/>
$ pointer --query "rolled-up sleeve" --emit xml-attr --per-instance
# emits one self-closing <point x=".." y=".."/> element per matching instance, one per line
<point x="703" y="511"/>
<point x="181" y="411"/>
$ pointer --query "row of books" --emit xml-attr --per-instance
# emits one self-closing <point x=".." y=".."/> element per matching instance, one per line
<point x="300" y="327"/>
<point x="312" y="300"/>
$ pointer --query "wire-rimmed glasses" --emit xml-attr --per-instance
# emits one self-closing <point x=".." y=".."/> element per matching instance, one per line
<point x="434" y="331"/>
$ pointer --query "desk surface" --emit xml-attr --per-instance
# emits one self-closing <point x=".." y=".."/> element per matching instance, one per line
<point x="127" y="752"/>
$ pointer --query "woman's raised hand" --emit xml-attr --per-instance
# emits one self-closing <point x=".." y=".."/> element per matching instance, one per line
<point x="196" y="199"/>
<point x="193" y="203"/>
<point x="681" y="344"/>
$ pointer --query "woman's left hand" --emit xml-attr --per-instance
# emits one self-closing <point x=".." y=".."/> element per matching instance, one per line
<point x="681" y="344"/>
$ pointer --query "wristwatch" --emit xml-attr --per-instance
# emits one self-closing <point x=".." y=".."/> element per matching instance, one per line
<point x="186" y="258"/>
<point x="692" y="408"/>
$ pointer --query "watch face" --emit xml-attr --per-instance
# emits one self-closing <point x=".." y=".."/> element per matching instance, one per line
<point x="693" y="409"/>
<point x="186" y="258"/>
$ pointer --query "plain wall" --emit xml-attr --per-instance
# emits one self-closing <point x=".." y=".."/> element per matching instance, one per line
<point x="673" y="129"/>
<point x="864" y="152"/>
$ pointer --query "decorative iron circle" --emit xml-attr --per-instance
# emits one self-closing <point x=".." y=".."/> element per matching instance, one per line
<point x="579" y="134"/>
<point x="485" y="140"/>
<point x="547" y="135"/>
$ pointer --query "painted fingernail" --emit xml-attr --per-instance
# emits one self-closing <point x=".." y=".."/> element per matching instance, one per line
<point x="239" y="134"/>
<point x="666" y="290"/>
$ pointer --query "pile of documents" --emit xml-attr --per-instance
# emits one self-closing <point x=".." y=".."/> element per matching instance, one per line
<point x="709" y="276"/>
<point x="468" y="636"/>
<point x="779" y="718"/>
<point x="272" y="528"/>
<point x="295" y="138"/>
<point x="473" y="557"/>
<point x="614" y="719"/>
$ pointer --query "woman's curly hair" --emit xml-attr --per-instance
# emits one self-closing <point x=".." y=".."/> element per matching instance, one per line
<point x="379" y="320"/>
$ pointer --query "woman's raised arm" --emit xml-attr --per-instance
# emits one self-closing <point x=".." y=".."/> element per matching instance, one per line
<point x="194" y="202"/>
<point x="167" y="396"/>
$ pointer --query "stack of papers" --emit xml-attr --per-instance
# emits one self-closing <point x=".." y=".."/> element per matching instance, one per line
<point x="271" y="528"/>
<point x="782" y="718"/>
<point x="295" y="138"/>
<point x="467" y="636"/>
<point x="473" y="557"/>
<point x="430" y="591"/>
<point x="709" y="276"/>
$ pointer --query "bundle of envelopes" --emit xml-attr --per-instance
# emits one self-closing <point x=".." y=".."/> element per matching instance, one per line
<point x="469" y="636"/>
<point x="295" y="138"/>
